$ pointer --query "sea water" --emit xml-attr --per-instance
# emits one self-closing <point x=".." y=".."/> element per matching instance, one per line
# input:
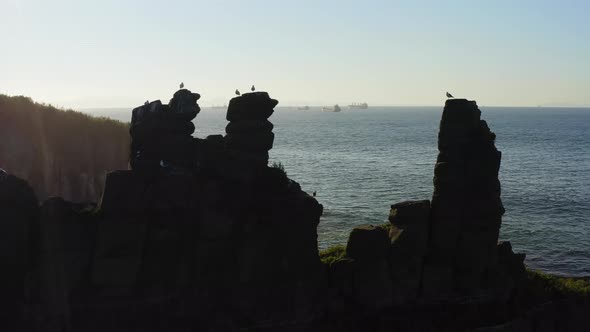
<point x="359" y="162"/>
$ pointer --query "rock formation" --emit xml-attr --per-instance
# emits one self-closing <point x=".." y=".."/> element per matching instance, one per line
<point x="466" y="206"/>
<point x="409" y="228"/>
<point x="202" y="228"/>
<point x="202" y="235"/>
<point x="249" y="133"/>
<point x="162" y="134"/>
<point x="445" y="251"/>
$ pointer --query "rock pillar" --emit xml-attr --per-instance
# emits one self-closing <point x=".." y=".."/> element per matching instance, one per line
<point x="249" y="133"/>
<point x="466" y="206"/>
<point x="162" y="134"/>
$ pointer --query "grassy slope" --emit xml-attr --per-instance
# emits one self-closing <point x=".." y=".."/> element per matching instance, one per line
<point x="60" y="152"/>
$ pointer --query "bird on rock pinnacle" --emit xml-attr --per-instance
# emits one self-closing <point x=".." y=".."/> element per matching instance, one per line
<point x="181" y="85"/>
<point x="252" y="88"/>
<point x="449" y="95"/>
<point x="237" y="92"/>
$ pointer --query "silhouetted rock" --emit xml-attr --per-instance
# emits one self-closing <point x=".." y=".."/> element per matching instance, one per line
<point x="257" y="106"/>
<point x="161" y="134"/>
<point x="367" y="242"/>
<point x="18" y="247"/>
<point x="231" y="237"/>
<point x="363" y="278"/>
<point x="408" y="233"/>
<point x="249" y="133"/>
<point x="410" y="222"/>
<point x="66" y="247"/>
<point x="466" y="204"/>
<point x="184" y="104"/>
<point x="203" y="235"/>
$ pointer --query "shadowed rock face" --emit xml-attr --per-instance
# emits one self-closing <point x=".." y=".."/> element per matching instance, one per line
<point x="19" y="214"/>
<point x="249" y="133"/>
<point x="162" y="134"/>
<point x="466" y="206"/>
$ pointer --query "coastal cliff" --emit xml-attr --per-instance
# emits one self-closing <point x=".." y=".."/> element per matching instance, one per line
<point x="60" y="153"/>
<point x="201" y="234"/>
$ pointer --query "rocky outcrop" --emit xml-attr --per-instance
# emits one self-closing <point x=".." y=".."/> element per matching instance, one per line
<point x="202" y="228"/>
<point x="448" y="249"/>
<point x="249" y="133"/>
<point x="466" y="206"/>
<point x="162" y="134"/>
<point x="202" y="235"/>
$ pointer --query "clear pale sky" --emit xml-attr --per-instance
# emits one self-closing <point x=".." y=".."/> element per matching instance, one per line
<point x="109" y="53"/>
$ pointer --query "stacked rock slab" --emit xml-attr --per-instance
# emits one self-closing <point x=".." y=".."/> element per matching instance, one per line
<point x="408" y="235"/>
<point x="161" y="134"/>
<point x="466" y="206"/>
<point x="368" y="267"/>
<point x="249" y="133"/>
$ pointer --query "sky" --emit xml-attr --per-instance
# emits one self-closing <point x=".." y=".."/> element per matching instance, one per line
<point x="117" y="53"/>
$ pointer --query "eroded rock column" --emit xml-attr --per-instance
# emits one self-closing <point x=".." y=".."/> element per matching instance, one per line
<point x="466" y="206"/>
<point x="249" y="133"/>
<point x="162" y="134"/>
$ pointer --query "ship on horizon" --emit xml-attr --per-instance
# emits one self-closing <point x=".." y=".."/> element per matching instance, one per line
<point x="362" y="106"/>
<point x="336" y="108"/>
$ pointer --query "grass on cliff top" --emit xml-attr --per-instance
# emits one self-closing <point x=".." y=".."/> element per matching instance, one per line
<point x="333" y="254"/>
<point x="554" y="285"/>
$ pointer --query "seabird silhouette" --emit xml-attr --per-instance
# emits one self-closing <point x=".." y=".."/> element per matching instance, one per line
<point x="237" y="92"/>
<point x="146" y="102"/>
<point x="252" y="88"/>
<point x="181" y="85"/>
<point x="449" y="95"/>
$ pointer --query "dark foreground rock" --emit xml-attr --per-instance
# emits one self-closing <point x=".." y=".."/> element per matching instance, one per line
<point x="19" y="221"/>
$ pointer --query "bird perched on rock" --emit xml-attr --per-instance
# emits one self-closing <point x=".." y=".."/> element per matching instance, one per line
<point x="237" y="92"/>
<point x="181" y="85"/>
<point x="146" y="102"/>
<point x="252" y="88"/>
<point x="449" y="95"/>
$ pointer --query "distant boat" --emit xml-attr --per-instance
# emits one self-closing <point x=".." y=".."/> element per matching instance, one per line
<point x="304" y="108"/>
<point x="336" y="108"/>
<point x="362" y="106"/>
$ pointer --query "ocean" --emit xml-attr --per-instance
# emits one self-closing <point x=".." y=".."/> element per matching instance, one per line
<point x="359" y="162"/>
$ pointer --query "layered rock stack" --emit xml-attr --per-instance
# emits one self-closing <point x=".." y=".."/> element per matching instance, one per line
<point x="466" y="206"/>
<point x="249" y="133"/>
<point x="161" y="134"/>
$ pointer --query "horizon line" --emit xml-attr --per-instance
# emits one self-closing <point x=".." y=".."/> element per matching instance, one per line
<point x="325" y="105"/>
